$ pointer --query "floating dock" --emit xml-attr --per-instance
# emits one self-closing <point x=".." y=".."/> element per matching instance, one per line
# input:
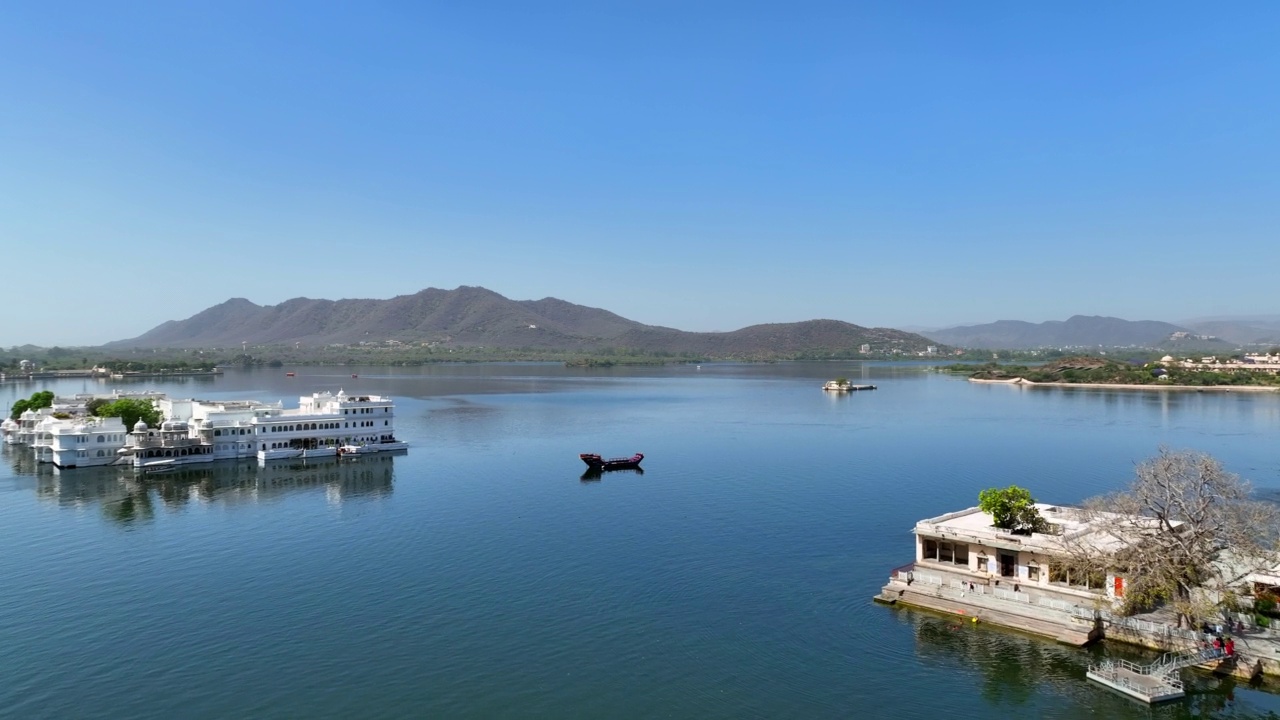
<point x="1152" y="683"/>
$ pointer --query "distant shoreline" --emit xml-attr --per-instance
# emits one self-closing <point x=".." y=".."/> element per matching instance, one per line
<point x="1118" y="386"/>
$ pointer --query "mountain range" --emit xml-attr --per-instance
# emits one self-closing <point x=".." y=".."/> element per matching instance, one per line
<point x="475" y="316"/>
<point x="1258" y="330"/>
<point x="1081" y="331"/>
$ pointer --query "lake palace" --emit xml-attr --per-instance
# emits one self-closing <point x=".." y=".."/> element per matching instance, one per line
<point x="324" y="424"/>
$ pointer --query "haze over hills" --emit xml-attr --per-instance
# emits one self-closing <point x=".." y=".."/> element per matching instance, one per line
<point x="1076" y="331"/>
<point x="475" y="316"/>
<point x="1257" y="330"/>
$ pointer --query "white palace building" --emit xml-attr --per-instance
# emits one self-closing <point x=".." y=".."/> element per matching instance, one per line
<point x="323" y="425"/>
<point x="198" y="431"/>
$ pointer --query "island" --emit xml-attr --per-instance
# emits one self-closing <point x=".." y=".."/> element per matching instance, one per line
<point x="1245" y="372"/>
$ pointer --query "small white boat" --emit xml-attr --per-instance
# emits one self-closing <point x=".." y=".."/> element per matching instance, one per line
<point x="846" y="386"/>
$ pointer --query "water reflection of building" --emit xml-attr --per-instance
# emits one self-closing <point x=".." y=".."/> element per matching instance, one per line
<point x="128" y="495"/>
<point x="368" y="475"/>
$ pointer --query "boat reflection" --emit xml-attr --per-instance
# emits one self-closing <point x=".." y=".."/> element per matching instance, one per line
<point x="595" y="475"/>
<point x="127" y="495"/>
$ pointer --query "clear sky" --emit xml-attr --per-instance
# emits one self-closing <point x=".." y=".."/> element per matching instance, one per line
<point x="699" y="165"/>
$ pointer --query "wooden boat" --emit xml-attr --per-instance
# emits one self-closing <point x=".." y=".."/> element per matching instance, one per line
<point x="595" y="462"/>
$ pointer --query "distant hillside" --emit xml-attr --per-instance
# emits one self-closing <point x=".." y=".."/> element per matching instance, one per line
<point x="1254" y="332"/>
<point x="1077" y="331"/>
<point x="474" y="316"/>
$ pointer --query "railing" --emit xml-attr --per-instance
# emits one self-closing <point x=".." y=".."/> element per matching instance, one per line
<point x="965" y="586"/>
<point x="927" y="578"/>
<point x="1154" y="628"/>
<point x="1171" y="661"/>
<point x="1060" y="605"/>
<point x="1012" y="596"/>
<point x="902" y="573"/>
<point x="1110" y="669"/>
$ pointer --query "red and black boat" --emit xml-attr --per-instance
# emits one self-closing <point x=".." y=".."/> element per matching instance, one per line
<point x="595" y="462"/>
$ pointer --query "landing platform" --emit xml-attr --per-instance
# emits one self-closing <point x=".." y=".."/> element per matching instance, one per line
<point x="1147" y="688"/>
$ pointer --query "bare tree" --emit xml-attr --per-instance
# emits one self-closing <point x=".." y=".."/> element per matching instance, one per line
<point x="1185" y="532"/>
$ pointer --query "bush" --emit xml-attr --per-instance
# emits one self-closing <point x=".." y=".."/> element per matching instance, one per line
<point x="1262" y="621"/>
<point x="1265" y="605"/>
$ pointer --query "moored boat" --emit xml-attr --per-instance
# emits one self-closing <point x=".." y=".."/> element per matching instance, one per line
<point x="596" y="462"/>
<point x="845" y="386"/>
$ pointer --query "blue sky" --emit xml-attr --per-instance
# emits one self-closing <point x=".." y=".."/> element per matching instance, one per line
<point x="698" y="165"/>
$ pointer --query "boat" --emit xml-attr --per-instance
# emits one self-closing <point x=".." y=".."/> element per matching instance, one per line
<point x="846" y="386"/>
<point x="289" y="374"/>
<point x="596" y="462"/>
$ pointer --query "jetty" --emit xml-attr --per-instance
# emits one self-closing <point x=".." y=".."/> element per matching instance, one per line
<point x="1156" y="682"/>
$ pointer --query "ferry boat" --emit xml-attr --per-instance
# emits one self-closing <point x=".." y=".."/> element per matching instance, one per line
<point x="197" y="431"/>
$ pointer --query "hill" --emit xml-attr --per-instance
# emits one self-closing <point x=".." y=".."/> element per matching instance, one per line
<point x="476" y="317"/>
<point x="1076" y="331"/>
<point x="1241" y="332"/>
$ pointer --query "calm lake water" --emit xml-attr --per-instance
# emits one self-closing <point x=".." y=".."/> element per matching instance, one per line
<point x="479" y="577"/>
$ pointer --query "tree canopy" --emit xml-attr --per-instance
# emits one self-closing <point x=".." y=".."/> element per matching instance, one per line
<point x="1192" y="529"/>
<point x="130" y="411"/>
<point x="42" y="399"/>
<point x="1012" y="509"/>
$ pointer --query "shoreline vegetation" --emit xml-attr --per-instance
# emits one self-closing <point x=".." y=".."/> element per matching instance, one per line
<point x="1023" y="382"/>
<point x="1109" y="373"/>
<point x="192" y="362"/>
<point x="172" y="360"/>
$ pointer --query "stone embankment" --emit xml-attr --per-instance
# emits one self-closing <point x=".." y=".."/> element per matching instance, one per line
<point x="1257" y="649"/>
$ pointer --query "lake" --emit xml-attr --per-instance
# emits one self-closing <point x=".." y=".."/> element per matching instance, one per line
<point x="479" y="576"/>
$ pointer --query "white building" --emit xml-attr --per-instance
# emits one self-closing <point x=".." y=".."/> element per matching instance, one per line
<point x="84" y="442"/>
<point x="964" y="548"/>
<point x="323" y="424"/>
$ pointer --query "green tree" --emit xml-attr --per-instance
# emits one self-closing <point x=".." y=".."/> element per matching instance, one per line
<point x="37" y="401"/>
<point x="1012" y="508"/>
<point x="19" y="407"/>
<point x="131" y="410"/>
<point x="96" y="404"/>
